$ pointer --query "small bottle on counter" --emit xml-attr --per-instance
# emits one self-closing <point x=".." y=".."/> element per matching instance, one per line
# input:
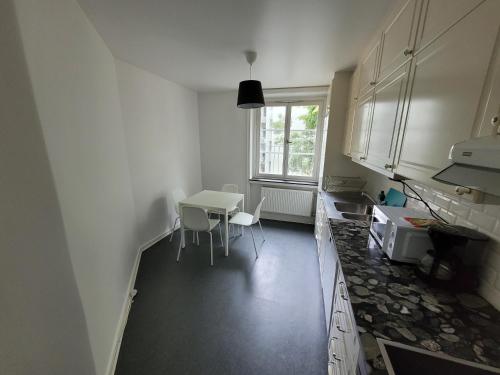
<point x="381" y="197"/>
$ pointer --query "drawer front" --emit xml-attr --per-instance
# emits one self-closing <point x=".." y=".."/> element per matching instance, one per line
<point x="344" y="342"/>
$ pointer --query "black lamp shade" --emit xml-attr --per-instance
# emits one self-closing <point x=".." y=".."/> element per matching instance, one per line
<point x="250" y="94"/>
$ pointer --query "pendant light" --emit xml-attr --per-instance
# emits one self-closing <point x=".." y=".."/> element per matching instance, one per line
<point x="250" y="93"/>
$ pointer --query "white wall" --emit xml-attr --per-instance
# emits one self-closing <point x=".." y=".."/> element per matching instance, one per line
<point x="76" y="94"/>
<point x="161" y="128"/>
<point x="223" y="140"/>
<point x="336" y="163"/>
<point x="42" y="324"/>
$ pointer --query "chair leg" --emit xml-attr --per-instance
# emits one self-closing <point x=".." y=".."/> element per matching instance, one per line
<point x="198" y="238"/>
<point x="194" y="236"/>
<point x="173" y="229"/>
<point x="255" y="247"/>
<point x="261" y="231"/>
<point x="179" y="252"/>
<point x="220" y="233"/>
<point x="211" y="250"/>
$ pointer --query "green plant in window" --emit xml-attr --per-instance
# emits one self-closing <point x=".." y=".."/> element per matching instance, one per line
<point x="302" y="146"/>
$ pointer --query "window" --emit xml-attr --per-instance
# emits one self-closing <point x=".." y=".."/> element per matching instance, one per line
<point x="288" y="139"/>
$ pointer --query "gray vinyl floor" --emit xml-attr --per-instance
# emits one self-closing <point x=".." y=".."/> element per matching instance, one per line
<point x="241" y="316"/>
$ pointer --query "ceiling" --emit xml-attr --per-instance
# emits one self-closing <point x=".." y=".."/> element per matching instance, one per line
<point x="200" y="43"/>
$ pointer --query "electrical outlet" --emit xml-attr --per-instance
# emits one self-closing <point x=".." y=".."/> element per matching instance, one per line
<point x="469" y="194"/>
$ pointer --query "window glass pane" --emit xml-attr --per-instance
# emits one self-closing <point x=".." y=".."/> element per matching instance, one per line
<point x="272" y="137"/>
<point x="302" y="141"/>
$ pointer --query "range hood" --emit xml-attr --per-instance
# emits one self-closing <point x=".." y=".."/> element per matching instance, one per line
<point x="476" y="165"/>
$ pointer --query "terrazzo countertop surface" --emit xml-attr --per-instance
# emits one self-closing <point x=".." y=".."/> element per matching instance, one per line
<point x="390" y="302"/>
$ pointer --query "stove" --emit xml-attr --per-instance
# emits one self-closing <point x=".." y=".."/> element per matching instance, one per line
<point x="401" y="359"/>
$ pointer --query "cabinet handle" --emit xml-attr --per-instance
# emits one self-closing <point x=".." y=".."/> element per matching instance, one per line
<point x="388" y="166"/>
<point x="339" y="326"/>
<point x="408" y="52"/>
<point x="362" y="158"/>
<point x="373" y="83"/>
<point x="494" y="120"/>
<point x="343" y="293"/>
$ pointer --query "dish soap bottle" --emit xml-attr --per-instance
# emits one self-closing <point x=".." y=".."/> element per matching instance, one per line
<point x="381" y="197"/>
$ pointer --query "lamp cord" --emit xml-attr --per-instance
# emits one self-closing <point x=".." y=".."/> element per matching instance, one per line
<point x="419" y="198"/>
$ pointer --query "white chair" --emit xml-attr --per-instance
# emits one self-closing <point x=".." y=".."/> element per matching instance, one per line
<point x="177" y="196"/>
<point x="247" y="220"/>
<point x="197" y="220"/>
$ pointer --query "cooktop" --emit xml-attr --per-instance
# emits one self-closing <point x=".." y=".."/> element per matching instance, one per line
<point x="401" y="359"/>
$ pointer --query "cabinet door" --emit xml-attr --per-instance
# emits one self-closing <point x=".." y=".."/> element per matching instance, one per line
<point x="489" y="121"/>
<point x="328" y="276"/>
<point x="368" y="69"/>
<point x="386" y="119"/>
<point x="353" y="100"/>
<point x="398" y="38"/>
<point x="318" y="220"/>
<point x="361" y="127"/>
<point x="447" y="83"/>
<point x="439" y="15"/>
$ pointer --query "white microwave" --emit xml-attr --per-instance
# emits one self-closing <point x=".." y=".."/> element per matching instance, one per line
<point x="397" y="237"/>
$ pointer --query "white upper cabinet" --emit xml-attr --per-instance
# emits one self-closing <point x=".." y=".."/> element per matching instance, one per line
<point x="361" y="127"/>
<point x="368" y="69"/>
<point x="432" y="80"/>
<point x="440" y="15"/>
<point x="489" y="120"/>
<point x="447" y="84"/>
<point x="388" y="106"/>
<point x="398" y="38"/>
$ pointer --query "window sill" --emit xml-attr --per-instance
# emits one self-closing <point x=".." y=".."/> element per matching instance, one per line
<point x="278" y="182"/>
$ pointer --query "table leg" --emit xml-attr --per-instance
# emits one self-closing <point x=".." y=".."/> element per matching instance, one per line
<point x="243" y="210"/>
<point x="183" y="235"/>
<point x="226" y="225"/>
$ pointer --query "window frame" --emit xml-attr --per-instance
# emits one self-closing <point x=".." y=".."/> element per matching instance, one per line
<point x="289" y="103"/>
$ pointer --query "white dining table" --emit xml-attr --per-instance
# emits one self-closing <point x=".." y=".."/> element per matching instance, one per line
<point x="213" y="201"/>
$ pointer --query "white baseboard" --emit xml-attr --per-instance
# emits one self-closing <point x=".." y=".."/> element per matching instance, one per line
<point x="158" y="238"/>
<point x="127" y="304"/>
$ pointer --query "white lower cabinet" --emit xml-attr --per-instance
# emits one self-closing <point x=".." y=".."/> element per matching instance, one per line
<point x="330" y="264"/>
<point x="326" y="256"/>
<point x="343" y="342"/>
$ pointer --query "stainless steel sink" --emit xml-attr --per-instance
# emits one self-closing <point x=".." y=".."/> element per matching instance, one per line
<point x="357" y="217"/>
<point x="354" y="208"/>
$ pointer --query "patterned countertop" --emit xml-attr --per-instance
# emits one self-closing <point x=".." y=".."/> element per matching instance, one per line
<point x="390" y="302"/>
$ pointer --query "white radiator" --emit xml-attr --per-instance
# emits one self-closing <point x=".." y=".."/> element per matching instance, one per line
<point x="287" y="201"/>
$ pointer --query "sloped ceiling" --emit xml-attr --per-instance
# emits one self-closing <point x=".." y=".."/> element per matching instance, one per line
<point x="200" y="43"/>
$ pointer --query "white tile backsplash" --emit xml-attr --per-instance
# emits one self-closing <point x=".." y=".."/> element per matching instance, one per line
<point x="485" y="218"/>
<point x="442" y="201"/>
<point x="482" y="220"/>
<point x="459" y="209"/>
<point x="450" y="217"/>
